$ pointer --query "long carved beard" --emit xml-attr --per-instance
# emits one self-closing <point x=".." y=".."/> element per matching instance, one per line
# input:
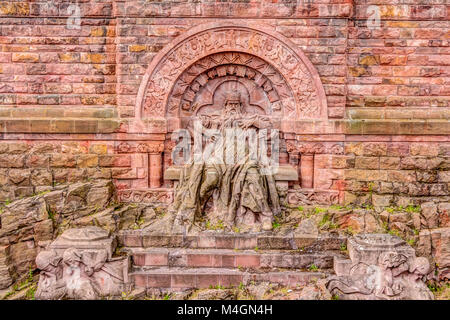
<point x="232" y="113"/>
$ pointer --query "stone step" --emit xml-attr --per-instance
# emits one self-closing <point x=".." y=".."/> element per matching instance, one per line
<point x="227" y="258"/>
<point x="201" y="278"/>
<point x="219" y="240"/>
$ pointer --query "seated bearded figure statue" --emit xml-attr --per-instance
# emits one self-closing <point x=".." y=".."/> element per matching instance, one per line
<point x="243" y="194"/>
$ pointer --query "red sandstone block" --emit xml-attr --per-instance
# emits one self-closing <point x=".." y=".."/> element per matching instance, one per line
<point x="301" y="279"/>
<point x="244" y="9"/>
<point x="22" y="57"/>
<point x="111" y="160"/>
<point x="397" y="149"/>
<point x="375" y="148"/>
<point x="206" y="242"/>
<point x="155" y="241"/>
<point x="132" y="240"/>
<point x="176" y="241"/>
<point x="190" y="242"/>
<point x="158" y="281"/>
<point x="273" y="10"/>
<point x="360" y="89"/>
<point x="36" y="160"/>
<point x="245" y="243"/>
<point x="229" y="261"/>
<point x="40" y="126"/>
<point x="199" y="260"/>
<point x="224" y="242"/>
<point x="367" y="163"/>
<point x="426" y="12"/>
<point x="139" y="259"/>
<point x="183" y="281"/>
<point x="156" y="259"/>
<point x="384" y="90"/>
<point x="424" y="149"/>
<point x="14" y="126"/>
<point x="228" y="280"/>
<point x="140" y="280"/>
<point x="247" y="261"/>
<point x="279" y="278"/>
<point x="124" y="173"/>
<point x="216" y="260"/>
<point x="389" y="162"/>
<point x="207" y="280"/>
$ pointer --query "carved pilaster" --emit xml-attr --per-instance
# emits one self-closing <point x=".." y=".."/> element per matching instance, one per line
<point x="155" y="165"/>
<point x="307" y="170"/>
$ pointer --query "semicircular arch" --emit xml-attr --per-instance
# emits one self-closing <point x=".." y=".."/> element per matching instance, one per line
<point x="172" y="62"/>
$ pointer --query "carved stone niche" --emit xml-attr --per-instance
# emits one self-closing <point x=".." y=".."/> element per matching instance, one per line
<point x="203" y="86"/>
<point x="216" y="51"/>
<point x="79" y="264"/>
<point x="381" y="267"/>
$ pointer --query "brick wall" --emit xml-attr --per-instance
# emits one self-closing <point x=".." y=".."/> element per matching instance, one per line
<point x="67" y="95"/>
<point x="399" y="74"/>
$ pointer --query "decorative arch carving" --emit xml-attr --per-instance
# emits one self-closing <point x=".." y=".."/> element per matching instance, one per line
<point x="265" y="88"/>
<point x="240" y="52"/>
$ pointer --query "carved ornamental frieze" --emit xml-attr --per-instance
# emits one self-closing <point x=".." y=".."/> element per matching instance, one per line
<point x="146" y="196"/>
<point x="315" y="147"/>
<point x="381" y="267"/>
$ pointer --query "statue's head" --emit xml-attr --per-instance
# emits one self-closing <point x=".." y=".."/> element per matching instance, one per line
<point x="233" y="103"/>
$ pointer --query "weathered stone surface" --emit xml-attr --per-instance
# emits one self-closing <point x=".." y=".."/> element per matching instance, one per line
<point x="373" y="91"/>
<point x="23" y="213"/>
<point x="430" y="215"/>
<point x="29" y="221"/>
<point x="362" y="110"/>
<point x="79" y="265"/>
<point x="382" y="267"/>
<point x="435" y="244"/>
<point x="307" y="227"/>
<point x="444" y="214"/>
<point x="6" y="268"/>
<point x="258" y="291"/>
<point x="215" y="294"/>
<point x="317" y="291"/>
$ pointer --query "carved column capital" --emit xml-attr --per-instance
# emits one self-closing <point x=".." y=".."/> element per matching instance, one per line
<point x="155" y="148"/>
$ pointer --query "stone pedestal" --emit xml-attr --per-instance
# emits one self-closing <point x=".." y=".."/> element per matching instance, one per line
<point x="79" y="264"/>
<point x="381" y="267"/>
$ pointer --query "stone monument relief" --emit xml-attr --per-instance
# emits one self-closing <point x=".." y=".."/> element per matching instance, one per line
<point x="79" y="265"/>
<point x="219" y="51"/>
<point x="241" y="192"/>
<point x="380" y="267"/>
<point x="224" y="149"/>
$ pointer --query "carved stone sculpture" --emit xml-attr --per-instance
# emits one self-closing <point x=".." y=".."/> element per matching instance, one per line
<point x="242" y="49"/>
<point x="381" y="267"/>
<point x="51" y="283"/>
<point x="78" y="265"/>
<point x="241" y="194"/>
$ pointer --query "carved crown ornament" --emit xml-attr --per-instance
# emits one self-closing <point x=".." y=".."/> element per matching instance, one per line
<point x="185" y="75"/>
